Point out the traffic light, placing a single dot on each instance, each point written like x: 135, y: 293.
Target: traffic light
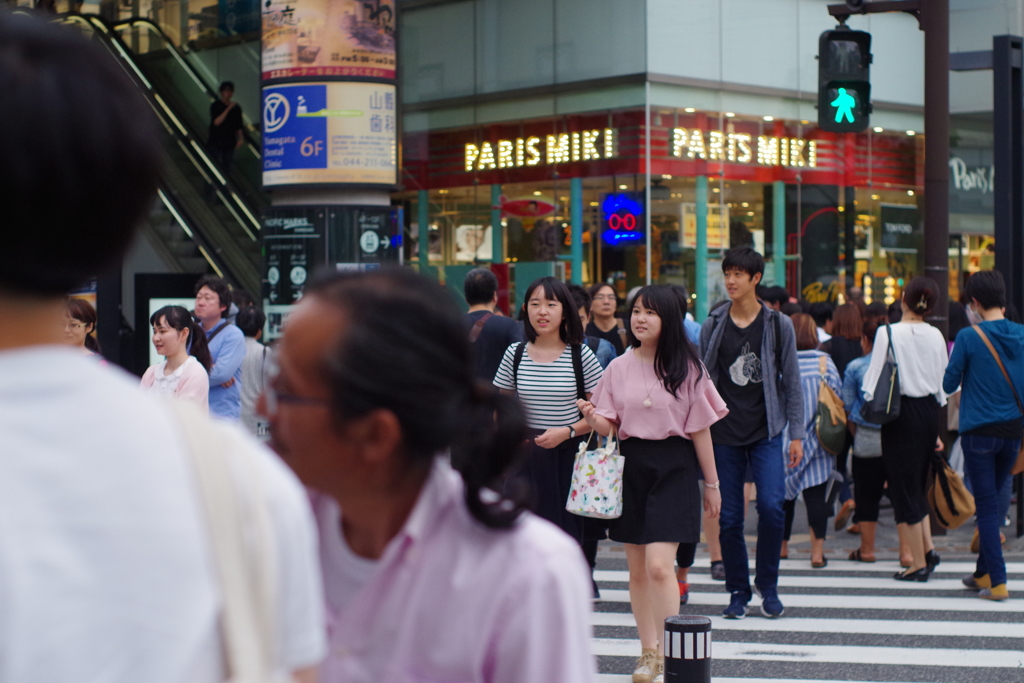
x: 844, y: 86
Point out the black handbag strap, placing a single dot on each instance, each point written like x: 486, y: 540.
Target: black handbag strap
x: 892, y: 346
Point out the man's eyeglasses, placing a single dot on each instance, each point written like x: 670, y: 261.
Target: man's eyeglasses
x: 274, y: 398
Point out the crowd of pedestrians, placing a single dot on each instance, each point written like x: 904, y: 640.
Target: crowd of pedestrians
x: 411, y: 522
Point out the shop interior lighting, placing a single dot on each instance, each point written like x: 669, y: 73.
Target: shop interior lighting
x: 715, y: 189
x: 769, y: 118
x: 867, y: 289
x: 875, y: 197
x: 689, y: 110
x: 623, y: 187
x: 878, y: 129
x: 666, y: 176
x: 745, y: 204
x: 910, y: 193
x: 536, y: 193
x: 594, y: 204
x: 729, y: 114
x: 750, y: 213
x: 911, y: 133
x: 805, y: 122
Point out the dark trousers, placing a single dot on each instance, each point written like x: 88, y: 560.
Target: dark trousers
x: 766, y: 458
x: 223, y: 157
x: 989, y: 461
x: 868, y: 487
x: 817, y: 512
x: 907, y: 445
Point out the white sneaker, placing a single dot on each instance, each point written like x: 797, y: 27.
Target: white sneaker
x: 646, y: 667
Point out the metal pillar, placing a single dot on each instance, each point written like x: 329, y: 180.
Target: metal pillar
x: 779, y: 231
x: 497, y: 231
x: 423, y: 222
x: 935, y: 22
x: 576, y: 225
x: 701, y: 255
x: 1008, y: 159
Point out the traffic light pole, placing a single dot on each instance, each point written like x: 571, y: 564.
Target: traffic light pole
x: 933, y: 19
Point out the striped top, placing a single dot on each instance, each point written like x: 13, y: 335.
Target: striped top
x: 817, y: 463
x: 548, y: 390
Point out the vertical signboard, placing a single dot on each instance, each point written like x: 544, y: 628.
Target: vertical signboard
x: 363, y: 238
x: 294, y: 246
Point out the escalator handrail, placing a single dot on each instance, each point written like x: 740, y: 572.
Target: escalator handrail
x: 186, y: 141
x: 185, y: 64
x: 250, y: 223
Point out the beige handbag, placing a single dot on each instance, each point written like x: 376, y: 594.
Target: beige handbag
x: 241, y: 544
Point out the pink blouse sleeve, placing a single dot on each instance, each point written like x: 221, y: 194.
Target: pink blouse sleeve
x: 706, y: 405
x: 147, y: 378
x: 194, y: 386
x: 603, y: 399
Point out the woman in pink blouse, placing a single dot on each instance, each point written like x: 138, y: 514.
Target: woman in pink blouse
x: 662, y: 403
x: 184, y: 373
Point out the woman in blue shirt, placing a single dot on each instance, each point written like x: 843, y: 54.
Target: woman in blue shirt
x: 811, y: 475
x: 868, y: 468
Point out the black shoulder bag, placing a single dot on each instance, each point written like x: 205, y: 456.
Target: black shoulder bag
x: 884, y: 407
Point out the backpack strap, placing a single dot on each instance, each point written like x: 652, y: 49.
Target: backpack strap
x: 517, y: 359
x: 822, y: 367
x: 999, y: 361
x: 576, y: 350
x: 778, y: 342
x: 478, y: 327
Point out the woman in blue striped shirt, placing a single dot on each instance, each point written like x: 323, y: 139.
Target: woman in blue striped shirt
x: 811, y: 475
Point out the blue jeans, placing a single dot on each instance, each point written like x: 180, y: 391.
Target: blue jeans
x: 988, y: 461
x: 767, y: 462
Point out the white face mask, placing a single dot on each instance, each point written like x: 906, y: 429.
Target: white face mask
x: 973, y: 317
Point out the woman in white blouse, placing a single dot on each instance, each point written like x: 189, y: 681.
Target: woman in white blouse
x: 184, y: 373
x: 907, y: 441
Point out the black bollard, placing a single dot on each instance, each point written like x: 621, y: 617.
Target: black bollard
x: 688, y: 649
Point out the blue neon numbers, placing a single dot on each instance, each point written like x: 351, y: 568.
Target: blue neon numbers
x: 622, y: 219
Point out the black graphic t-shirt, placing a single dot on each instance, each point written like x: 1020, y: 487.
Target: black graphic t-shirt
x: 740, y: 383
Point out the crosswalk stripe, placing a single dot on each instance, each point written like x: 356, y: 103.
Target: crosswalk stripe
x: 873, y: 583
x: 880, y: 566
x: 979, y: 629
x: 836, y: 654
x: 886, y: 602
x: 626, y: 678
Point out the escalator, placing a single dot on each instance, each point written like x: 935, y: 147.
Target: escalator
x: 204, y: 218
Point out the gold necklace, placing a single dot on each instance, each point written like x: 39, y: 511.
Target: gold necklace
x: 643, y: 371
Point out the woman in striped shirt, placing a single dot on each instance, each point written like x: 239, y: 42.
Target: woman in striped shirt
x: 811, y: 475
x: 550, y: 372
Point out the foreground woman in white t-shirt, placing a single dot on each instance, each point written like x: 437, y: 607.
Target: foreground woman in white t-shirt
x: 185, y: 371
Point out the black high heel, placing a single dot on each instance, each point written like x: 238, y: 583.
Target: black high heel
x: 921, y: 575
x: 932, y: 559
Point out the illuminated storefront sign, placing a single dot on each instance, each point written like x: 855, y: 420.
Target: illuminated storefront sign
x: 622, y: 216
x: 742, y: 148
x: 563, y: 148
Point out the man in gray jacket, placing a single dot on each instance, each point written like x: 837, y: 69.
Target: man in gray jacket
x: 750, y: 352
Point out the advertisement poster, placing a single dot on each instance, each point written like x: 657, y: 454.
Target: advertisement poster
x: 313, y: 38
x: 718, y: 237
x: 293, y: 240
x: 901, y: 228
x: 318, y: 133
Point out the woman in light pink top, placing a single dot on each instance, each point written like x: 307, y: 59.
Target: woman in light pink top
x: 430, y: 574
x: 184, y: 374
x: 662, y: 403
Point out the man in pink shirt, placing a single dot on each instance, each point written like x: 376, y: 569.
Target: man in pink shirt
x: 430, y: 574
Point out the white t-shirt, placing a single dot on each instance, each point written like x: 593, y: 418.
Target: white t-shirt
x: 920, y: 354
x: 104, y: 570
x: 548, y: 391
x: 349, y: 572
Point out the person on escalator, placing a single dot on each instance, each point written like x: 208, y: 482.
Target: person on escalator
x: 225, y: 126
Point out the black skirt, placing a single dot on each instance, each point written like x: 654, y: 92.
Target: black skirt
x: 661, y: 500
x: 547, y: 473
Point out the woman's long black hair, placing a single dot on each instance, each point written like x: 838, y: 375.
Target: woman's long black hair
x: 180, y: 319
x: 675, y: 353
x: 405, y: 350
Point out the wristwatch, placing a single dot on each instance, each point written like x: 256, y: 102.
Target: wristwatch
x: 572, y: 432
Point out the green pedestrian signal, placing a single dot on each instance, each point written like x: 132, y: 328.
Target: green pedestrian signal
x: 844, y: 106
x: 844, y: 85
